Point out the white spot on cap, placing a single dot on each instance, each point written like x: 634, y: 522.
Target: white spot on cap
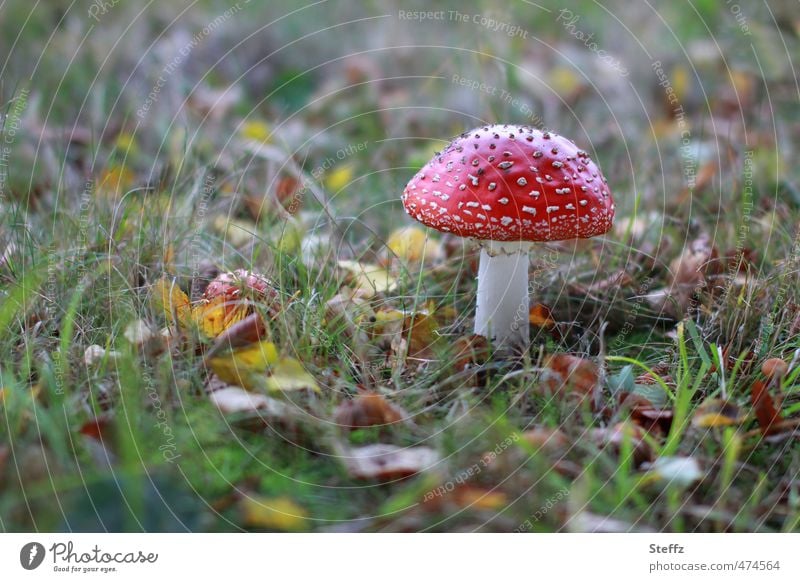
x: 529, y: 210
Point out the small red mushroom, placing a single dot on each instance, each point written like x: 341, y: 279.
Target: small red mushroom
x: 239, y: 286
x: 509, y: 186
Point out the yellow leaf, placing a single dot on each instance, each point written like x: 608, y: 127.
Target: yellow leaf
x: 115, y: 180
x: 235, y: 231
x: 218, y: 314
x: 369, y: 278
x: 171, y: 299
x: 279, y: 513
x: 564, y: 81
x: 256, y: 131
x: 125, y: 144
x: 246, y: 367
x: 412, y: 244
x: 717, y: 412
x: 289, y: 374
x: 339, y: 178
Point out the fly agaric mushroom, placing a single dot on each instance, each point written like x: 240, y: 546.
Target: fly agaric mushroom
x: 240, y: 286
x: 509, y: 186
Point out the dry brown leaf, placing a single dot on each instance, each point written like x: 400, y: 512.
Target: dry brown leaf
x: 276, y: 514
x: 546, y: 439
x: 232, y: 400
x: 767, y: 414
x: 691, y: 272
x: 368, y: 409
x: 249, y: 330
x: 465, y: 497
x: 541, y: 316
x: 469, y: 351
x: 717, y: 412
x: 565, y: 373
x: 615, y: 436
x: 388, y: 462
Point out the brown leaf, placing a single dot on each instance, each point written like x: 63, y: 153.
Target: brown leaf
x: 232, y: 400
x: 767, y: 415
x: 249, y: 330
x: 653, y: 420
x: 546, y: 439
x: 659, y: 370
x: 691, y: 271
x: 464, y: 497
x: 471, y: 350
x: 717, y: 412
x: 614, y: 437
x: 541, y: 316
x: 388, y: 462
x: 368, y: 409
x: 98, y: 428
x: 565, y: 373
x: 420, y: 332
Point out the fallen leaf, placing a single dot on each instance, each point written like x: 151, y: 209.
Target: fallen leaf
x: 98, y: 428
x: 289, y: 374
x: 368, y: 409
x: 139, y: 334
x: 682, y: 471
x: 278, y: 514
x: 691, y: 272
x: 717, y: 412
x: 235, y: 231
x: 470, y: 351
x: 256, y: 130
x: 565, y: 373
x: 541, y: 316
x: 764, y: 406
x: 388, y: 462
x: 614, y: 437
x: 420, y: 331
x: 172, y: 301
x: 95, y: 354
x: 232, y: 400
x: 115, y: 181
x: 339, y: 178
x: 246, y: 367
x: 465, y: 497
x: 367, y: 278
x: 249, y: 330
x: 546, y: 439
x: 213, y: 316
x: 412, y: 244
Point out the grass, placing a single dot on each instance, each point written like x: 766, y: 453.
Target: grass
x: 168, y: 195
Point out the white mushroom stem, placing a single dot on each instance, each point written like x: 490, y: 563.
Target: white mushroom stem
x: 502, y: 313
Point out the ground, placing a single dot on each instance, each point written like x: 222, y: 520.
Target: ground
x: 147, y: 150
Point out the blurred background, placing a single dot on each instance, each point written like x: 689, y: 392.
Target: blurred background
x: 173, y: 137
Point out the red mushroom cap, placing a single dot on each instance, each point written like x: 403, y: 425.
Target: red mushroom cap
x: 511, y: 183
x: 239, y: 287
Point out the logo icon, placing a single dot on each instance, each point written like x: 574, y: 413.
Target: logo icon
x: 31, y: 555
